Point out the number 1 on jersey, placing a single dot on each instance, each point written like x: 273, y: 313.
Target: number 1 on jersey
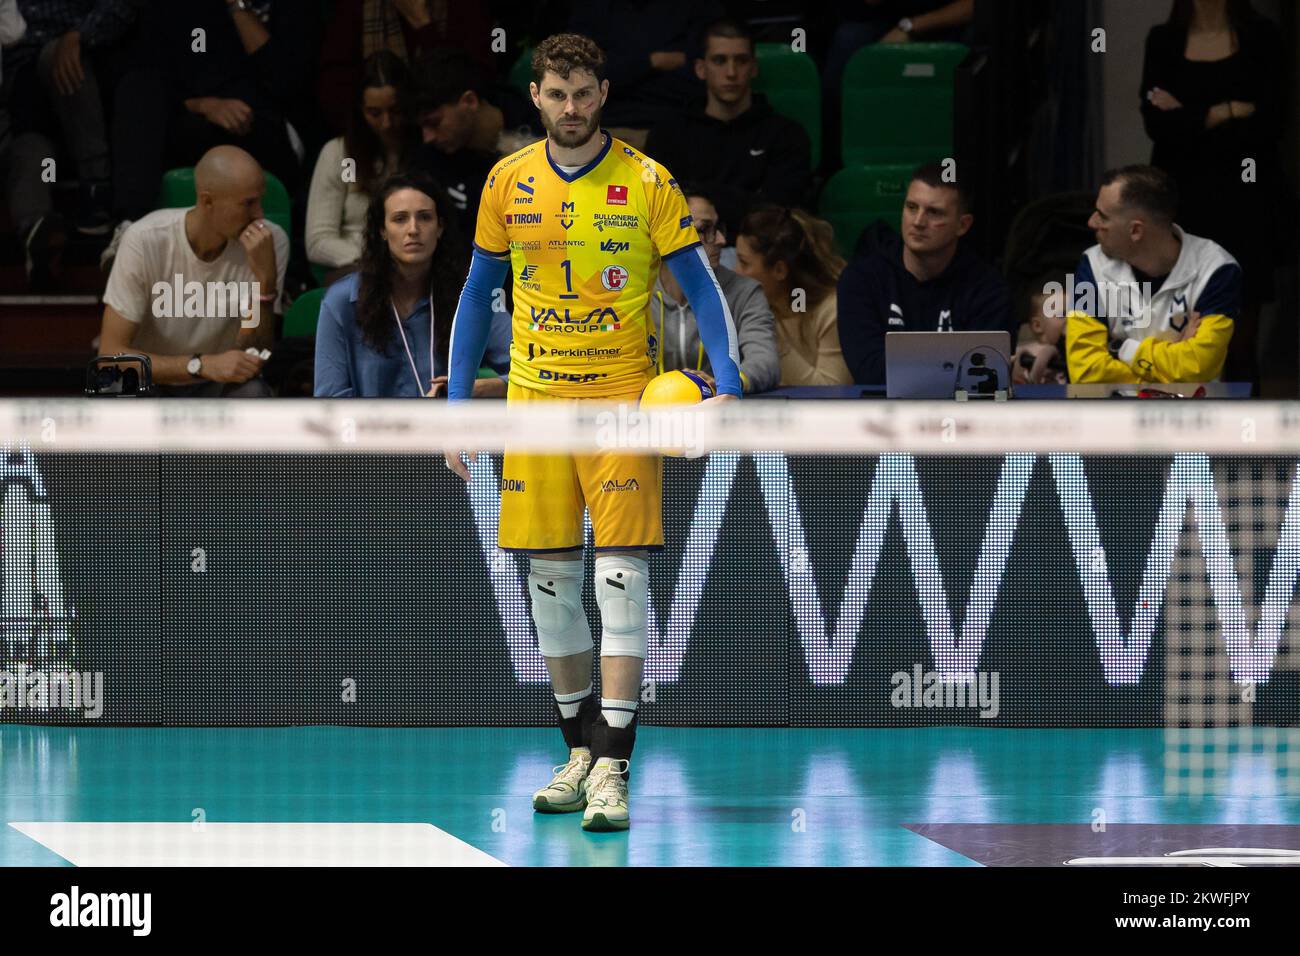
x: 567, y: 265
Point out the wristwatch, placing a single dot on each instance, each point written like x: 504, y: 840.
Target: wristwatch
x: 194, y: 365
x: 904, y: 24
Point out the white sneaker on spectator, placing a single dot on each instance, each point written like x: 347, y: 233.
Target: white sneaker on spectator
x: 110, y: 251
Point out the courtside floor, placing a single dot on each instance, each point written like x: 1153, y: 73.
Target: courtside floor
x: 750, y: 797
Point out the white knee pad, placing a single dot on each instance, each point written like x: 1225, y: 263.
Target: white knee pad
x: 556, y: 591
x: 622, y: 586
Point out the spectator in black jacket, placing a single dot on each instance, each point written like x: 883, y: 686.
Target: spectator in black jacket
x: 60, y: 73
x: 921, y: 282
x: 648, y: 45
x: 734, y: 144
x: 1211, y: 87
x: 467, y: 123
x: 245, y: 80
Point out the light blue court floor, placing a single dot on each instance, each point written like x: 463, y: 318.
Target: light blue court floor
x: 749, y: 797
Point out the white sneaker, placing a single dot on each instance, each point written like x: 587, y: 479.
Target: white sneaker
x: 110, y: 251
x: 607, y: 796
x: 565, y: 794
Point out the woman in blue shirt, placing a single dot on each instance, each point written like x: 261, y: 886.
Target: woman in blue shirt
x: 385, y: 330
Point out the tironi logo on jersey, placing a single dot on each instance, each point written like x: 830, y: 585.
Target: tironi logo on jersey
x: 523, y: 219
x: 616, y: 485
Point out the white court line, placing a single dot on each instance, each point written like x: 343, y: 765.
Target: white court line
x: 255, y: 844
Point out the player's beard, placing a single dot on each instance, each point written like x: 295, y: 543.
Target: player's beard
x: 572, y: 138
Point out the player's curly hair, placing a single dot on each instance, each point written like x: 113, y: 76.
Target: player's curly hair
x: 562, y: 53
x: 803, y: 242
x: 447, y: 270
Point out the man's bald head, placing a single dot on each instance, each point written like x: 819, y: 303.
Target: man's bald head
x: 229, y: 184
x: 225, y: 167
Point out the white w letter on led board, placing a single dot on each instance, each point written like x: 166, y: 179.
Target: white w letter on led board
x: 1123, y: 656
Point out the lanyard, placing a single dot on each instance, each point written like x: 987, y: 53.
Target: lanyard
x: 699, y: 363
x: 419, y: 388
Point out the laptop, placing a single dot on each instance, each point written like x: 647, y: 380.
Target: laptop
x: 936, y: 364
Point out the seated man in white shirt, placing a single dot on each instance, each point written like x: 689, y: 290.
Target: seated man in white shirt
x: 194, y: 289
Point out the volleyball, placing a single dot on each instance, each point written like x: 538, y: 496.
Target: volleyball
x: 675, y: 388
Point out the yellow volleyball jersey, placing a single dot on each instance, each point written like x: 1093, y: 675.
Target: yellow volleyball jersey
x: 585, y: 249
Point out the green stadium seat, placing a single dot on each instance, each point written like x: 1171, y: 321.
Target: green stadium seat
x: 178, y: 190
x: 792, y: 85
x: 521, y: 74
x: 301, y: 318
x: 858, y: 195
x: 898, y: 103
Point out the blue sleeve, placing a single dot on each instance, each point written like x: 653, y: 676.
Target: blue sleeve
x: 473, y: 323
x: 1222, y: 294
x: 333, y: 373
x: 690, y: 268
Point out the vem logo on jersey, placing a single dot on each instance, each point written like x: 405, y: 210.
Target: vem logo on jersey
x: 613, y: 245
x: 895, y: 499
x: 616, y: 485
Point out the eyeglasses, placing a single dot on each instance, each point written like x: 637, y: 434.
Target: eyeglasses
x: 707, y: 229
